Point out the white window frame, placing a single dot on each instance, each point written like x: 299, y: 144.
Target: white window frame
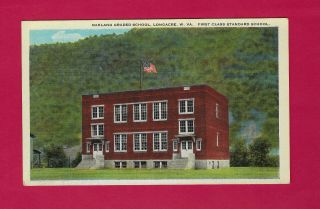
x: 175, y: 145
x: 160, y: 164
x: 88, y: 147
x: 186, y: 106
x: 186, y: 125
x: 161, y: 149
x: 160, y: 110
x: 98, y: 116
x: 140, y: 142
x: 121, y: 164
x: 200, y: 144
x: 122, y: 139
x: 140, y: 112
x: 218, y: 139
x: 218, y: 110
x: 140, y: 163
x: 97, y: 125
x: 114, y: 113
x: 107, y: 146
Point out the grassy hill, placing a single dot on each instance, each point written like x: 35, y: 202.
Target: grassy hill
x: 241, y: 63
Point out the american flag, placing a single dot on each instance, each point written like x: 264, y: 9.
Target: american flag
x: 148, y: 67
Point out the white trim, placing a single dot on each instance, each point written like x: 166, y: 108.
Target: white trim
x: 218, y: 138
x: 140, y: 112
x: 160, y: 118
x: 140, y: 132
x: 130, y: 103
x: 140, y: 163
x: 160, y: 142
x: 140, y: 143
x: 186, y: 99
x: 87, y: 146
x: 121, y: 163
x: 91, y: 130
x: 121, y: 141
x: 186, y: 106
x: 199, y: 140
x: 186, y: 119
x: 98, y: 117
x: 218, y: 115
x: 107, y: 145
x: 120, y: 121
x: 114, y: 113
x: 173, y: 147
x: 186, y: 125
x: 160, y: 163
x: 96, y: 123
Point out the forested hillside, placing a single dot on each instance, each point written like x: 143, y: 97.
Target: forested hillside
x: 241, y: 63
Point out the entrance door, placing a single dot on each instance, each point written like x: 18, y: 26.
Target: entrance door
x: 97, y: 149
x: 186, y: 148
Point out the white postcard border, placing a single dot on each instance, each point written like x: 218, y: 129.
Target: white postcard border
x: 284, y: 145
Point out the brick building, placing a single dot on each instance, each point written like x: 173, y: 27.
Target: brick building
x: 178, y: 127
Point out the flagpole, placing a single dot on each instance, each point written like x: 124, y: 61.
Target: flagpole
x: 140, y: 75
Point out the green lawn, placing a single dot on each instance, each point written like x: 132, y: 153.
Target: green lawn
x: 222, y: 173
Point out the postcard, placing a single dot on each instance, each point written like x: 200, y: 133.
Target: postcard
x: 155, y: 102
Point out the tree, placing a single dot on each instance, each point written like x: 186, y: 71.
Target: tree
x: 259, y: 152
x: 55, y: 156
x: 241, y: 63
x: 239, y: 154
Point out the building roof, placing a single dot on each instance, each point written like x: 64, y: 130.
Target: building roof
x: 155, y: 89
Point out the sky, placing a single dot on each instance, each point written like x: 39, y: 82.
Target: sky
x: 54, y: 36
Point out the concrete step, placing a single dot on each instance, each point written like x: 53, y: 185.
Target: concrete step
x: 180, y: 163
x: 91, y: 163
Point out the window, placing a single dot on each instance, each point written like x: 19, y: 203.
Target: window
x: 120, y: 113
x: 97, y: 130
x: 160, y: 142
x: 186, y: 126
x: 143, y: 164
x: 120, y: 142
x: 217, y: 110
x: 160, y: 111
x: 107, y: 146
x: 140, y: 142
x: 117, y: 164
x: 175, y: 145
x: 120, y: 164
x: 88, y: 148
x: 218, y: 138
x: 97, y: 112
x: 140, y: 112
x: 160, y: 164
x: 186, y: 106
x: 140, y: 164
x: 198, y: 144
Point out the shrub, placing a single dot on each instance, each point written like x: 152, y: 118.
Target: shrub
x: 55, y: 156
x: 258, y: 152
x: 273, y: 161
x: 77, y: 160
x: 239, y: 154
